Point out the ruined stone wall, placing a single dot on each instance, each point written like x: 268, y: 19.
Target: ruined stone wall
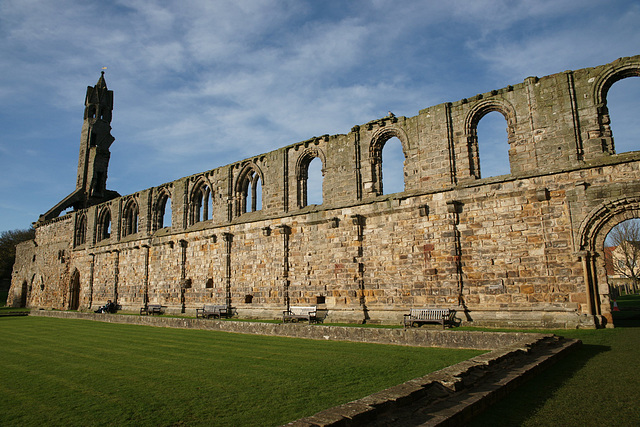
x: 522, y: 249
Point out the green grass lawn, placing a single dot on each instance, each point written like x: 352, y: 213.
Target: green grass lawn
x: 78, y: 372
x: 595, y: 386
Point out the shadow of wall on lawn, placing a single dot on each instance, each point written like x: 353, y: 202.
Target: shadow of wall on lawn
x: 629, y: 314
x: 523, y: 403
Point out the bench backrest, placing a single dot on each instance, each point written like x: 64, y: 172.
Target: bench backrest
x: 428, y: 313
x: 154, y: 306
x: 211, y: 307
x: 302, y: 311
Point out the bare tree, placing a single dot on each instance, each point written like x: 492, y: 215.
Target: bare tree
x: 626, y: 257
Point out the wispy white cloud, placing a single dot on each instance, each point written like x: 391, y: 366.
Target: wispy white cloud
x: 199, y: 84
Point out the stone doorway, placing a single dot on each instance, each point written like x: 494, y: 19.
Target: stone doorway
x: 23, y: 295
x: 593, y: 232
x: 74, y: 291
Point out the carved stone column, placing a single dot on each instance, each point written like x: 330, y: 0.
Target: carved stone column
x: 145, y: 295
x: 586, y: 271
x: 116, y: 274
x: 91, y: 274
x: 453, y: 208
x: 228, y: 240
x: 359, y: 222
x: 285, y: 231
x: 183, y: 274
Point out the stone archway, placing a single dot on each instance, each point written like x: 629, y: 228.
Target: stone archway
x: 593, y: 232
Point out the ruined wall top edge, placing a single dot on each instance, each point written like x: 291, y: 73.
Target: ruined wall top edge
x: 596, y: 77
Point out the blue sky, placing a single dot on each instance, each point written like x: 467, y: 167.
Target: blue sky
x: 200, y: 84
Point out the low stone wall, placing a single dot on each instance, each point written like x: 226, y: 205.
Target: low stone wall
x: 418, y: 337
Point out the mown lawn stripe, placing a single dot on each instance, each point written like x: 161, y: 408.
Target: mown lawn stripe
x: 77, y: 372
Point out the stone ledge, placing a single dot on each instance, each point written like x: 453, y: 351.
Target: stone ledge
x: 451, y: 396
x: 416, y: 337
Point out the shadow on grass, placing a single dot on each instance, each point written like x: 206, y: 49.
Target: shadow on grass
x: 629, y: 314
x: 626, y: 319
x: 521, y: 404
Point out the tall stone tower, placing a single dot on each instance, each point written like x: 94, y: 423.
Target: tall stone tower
x: 95, y: 141
x: 93, y: 160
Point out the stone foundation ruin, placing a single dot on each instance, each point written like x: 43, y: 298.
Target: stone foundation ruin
x: 524, y: 249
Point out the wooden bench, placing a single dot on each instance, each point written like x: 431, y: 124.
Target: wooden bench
x: 295, y: 314
x: 418, y: 316
x: 209, y: 311
x: 152, y: 309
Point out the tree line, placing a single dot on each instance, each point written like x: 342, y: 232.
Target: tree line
x: 8, y: 241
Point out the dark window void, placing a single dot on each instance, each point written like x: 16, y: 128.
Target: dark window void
x: 81, y: 231
x: 623, y: 104
x: 248, y: 299
x: 392, y: 167
x: 493, y: 145
x: 209, y: 283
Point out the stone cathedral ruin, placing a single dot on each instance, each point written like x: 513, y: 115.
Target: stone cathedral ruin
x: 523, y: 249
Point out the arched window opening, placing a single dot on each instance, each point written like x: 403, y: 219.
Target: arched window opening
x: 493, y: 145
x: 314, y: 182
x: 104, y: 225
x: 623, y: 105
x: 309, y: 175
x: 165, y: 213
x: 130, y: 218
x: 254, y: 194
x: 81, y: 230
x: 248, y: 190
x: 622, y: 257
x: 162, y: 210
x: 201, y: 204
x: 392, y: 179
x: 310, y: 180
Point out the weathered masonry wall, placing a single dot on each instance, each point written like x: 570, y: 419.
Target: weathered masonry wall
x: 523, y: 249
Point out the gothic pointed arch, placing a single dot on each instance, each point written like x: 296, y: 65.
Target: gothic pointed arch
x: 592, y: 234
x: 130, y: 214
x: 378, y: 141
x: 247, y: 185
x: 161, y: 200
x: 200, y: 201
x: 103, y: 224
x: 473, y: 117
x: 302, y: 172
x: 612, y: 74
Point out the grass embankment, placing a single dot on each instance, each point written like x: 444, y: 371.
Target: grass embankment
x: 597, y: 385
x: 76, y: 372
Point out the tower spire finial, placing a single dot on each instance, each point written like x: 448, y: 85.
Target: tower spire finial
x: 101, y: 81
